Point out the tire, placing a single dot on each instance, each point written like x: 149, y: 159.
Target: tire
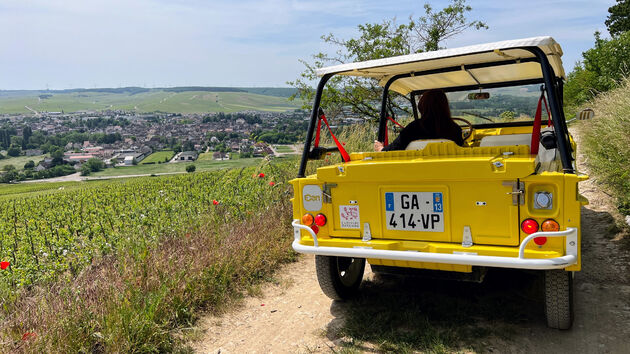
x: 559, y: 298
x: 339, y: 277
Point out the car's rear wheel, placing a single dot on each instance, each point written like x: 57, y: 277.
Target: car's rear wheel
x: 339, y: 277
x: 559, y: 298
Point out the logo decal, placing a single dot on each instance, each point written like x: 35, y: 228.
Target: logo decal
x: 312, y: 197
x: 349, y: 217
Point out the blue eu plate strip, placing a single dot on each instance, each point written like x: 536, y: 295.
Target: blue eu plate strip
x: 389, y: 201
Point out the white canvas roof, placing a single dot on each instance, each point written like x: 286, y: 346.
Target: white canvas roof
x: 383, y: 69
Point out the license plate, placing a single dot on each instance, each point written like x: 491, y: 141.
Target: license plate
x: 414, y: 211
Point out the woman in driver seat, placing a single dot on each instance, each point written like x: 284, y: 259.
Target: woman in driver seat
x: 435, y: 123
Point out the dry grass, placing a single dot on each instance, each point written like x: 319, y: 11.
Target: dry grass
x: 137, y: 302
x: 607, y: 142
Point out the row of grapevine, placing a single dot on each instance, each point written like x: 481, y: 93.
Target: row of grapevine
x: 44, y: 235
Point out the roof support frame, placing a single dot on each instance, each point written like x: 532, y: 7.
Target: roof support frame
x: 548, y: 78
x: 311, y: 125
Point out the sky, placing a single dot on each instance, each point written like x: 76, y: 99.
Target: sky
x: 158, y: 43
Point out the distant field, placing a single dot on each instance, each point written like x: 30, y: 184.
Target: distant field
x: 176, y: 167
x: 19, y: 161
x: 283, y: 148
x: 159, y: 156
x: 206, y: 156
x: 151, y: 101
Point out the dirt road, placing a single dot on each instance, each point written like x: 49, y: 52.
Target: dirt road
x: 502, y: 314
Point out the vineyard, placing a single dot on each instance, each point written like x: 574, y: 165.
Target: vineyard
x: 50, y: 236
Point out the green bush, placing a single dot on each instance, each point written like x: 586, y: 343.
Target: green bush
x: 602, y: 69
x: 606, y: 142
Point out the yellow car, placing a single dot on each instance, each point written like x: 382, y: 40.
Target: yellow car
x: 507, y: 198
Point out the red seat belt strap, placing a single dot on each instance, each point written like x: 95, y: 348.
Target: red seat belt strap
x: 319, y: 127
x: 342, y: 151
x: 549, y: 122
x: 536, y: 129
x: 386, y: 142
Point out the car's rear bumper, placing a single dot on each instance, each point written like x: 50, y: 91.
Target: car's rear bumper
x: 511, y: 257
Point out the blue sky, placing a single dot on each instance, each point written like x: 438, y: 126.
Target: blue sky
x: 156, y: 43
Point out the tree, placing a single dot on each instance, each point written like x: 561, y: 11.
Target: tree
x: 602, y: 68
x: 376, y: 41
x: 190, y: 168
x: 85, y: 170
x: 94, y: 164
x: 27, y: 132
x: 29, y: 164
x: 14, y: 151
x: 57, y: 157
x: 618, y: 20
x: 507, y: 115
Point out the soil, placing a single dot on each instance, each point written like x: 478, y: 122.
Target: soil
x: 293, y: 315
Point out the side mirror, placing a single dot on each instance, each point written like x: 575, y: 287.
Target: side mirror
x: 479, y: 95
x: 585, y: 114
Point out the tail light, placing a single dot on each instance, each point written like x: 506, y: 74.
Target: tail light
x: 320, y: 219
x: 529, y: 226
x: 540, y: 240
x: 315, y: 229
x: 307, y: 219
x: 550, y: 225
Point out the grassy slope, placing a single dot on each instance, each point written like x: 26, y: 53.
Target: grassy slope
x: 158, y: 156
x: 607, y: 142
x: 19, y: 161
x: 183, y: 102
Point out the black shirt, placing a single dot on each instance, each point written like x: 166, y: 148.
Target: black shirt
x: 416, y: 130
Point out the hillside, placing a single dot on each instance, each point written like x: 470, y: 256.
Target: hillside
x: 175, y: 99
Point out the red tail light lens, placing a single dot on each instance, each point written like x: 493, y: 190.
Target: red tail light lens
x: 529, y: 226
x: 320, y: 219
x: 540, y: 240
x: 315, y: 229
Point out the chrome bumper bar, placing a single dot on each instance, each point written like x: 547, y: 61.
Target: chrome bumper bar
x: 570, y: 234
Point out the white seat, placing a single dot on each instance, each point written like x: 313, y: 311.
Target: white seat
x: 546, y: 157
x: 422, y: 143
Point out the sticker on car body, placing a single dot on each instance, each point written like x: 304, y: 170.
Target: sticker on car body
x: 349, y: 217
x: 414, y: 211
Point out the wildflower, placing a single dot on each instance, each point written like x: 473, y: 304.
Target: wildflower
x: 29, y: 335
x: 4, y: 265
x: 261, y: 175
x: 272, y: 183
x: 215, y: 202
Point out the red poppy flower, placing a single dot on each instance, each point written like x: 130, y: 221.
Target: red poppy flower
x: 29, y: 335
x: 272, y: 183
x: 4, y: 265
x: 261, y: 175
x: 215, y: 202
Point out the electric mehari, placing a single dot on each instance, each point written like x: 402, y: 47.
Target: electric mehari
x: 507, y: 198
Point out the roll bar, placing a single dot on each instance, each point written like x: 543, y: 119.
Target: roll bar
x: 553, y: 86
